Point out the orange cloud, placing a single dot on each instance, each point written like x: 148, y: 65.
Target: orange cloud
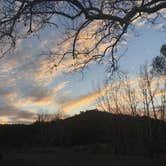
x: 85, y: 100
x: 60, y: 86
x: 89, y: 99
x: 4, y: 120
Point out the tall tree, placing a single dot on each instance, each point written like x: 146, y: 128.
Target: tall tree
x: 159, y: 69
x: 162, y: 105
x: 130, y: 96
x: 148, y: 91
x: 110, y: 99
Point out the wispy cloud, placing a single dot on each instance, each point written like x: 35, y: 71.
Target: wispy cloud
x: 24, y: 85
x: 12, y: 114
x: 86, y: 100
x: 69, y: 104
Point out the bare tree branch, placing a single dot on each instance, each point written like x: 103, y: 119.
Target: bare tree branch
x: 20, y: 18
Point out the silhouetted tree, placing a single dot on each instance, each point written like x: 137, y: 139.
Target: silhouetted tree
x: 148, y: 91
x: 159, y: 62
x: 163, y: 49
x: 159, y: 69
x: 104, y: 101
x: 109, y: 100
x: 130, y: 96
x: 44, y: 116
x: 162, y: 92
x: 144, y: 96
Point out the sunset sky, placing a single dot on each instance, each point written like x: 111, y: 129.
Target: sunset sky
x: 28, y: 86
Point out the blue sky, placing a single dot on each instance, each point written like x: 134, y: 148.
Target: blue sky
x: 143, y: 48
x: 27, y: 86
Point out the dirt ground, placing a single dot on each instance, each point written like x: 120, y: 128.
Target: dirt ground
x: 68, y: 158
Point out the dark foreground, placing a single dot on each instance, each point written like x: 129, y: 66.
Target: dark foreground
x: 92, y: 138
x: 69, y: 158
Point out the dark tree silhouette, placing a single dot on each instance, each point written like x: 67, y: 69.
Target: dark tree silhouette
x: 159, y: 62
x: 110, y: 20
x: 159, y: 69
x: 163, y: 49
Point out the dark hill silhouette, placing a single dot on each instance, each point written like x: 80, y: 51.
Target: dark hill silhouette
x: 121, y: 133
x: 91, y: 131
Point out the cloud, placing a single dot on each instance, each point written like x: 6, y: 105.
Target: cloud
x: 69, y: 104
x: 5, y: 90
x: 17, y: 100
x: 60, y: 86
x: 25, y: 86
x: 12, y: 114
x: 40, y: 96
x: 158, y: 23
x: 4, y: 120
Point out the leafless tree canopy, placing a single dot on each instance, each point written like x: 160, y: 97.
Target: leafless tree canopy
x: 144, y: 96
x: 108, y: 21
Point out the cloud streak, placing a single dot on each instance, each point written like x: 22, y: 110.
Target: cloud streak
x: 25, y: 86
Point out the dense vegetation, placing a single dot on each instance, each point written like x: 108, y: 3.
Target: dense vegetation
x: 90, y: 131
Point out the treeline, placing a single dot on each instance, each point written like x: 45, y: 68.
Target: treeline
x: 91, y: 130
x: 144, y: 95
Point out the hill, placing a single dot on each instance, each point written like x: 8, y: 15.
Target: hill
x: 90, y: 131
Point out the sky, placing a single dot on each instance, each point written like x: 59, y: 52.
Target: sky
x: 28, y: 86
